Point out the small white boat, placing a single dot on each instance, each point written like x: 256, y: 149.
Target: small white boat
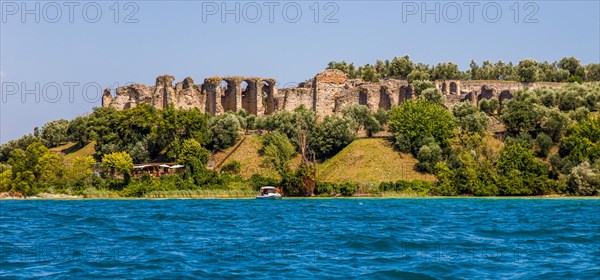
x: 269, y: 192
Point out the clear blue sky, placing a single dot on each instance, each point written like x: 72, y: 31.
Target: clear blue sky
x: 174, y: 38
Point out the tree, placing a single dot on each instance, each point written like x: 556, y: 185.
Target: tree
x: 461, y: 180
x: 429, y: 156
x: 77, y: 131
x: 33, y: 169
x: 489, y: 106
x: 580, y: 114
x: 418, y: 75
x: 247, y: 120
x: 139, y: 151
x: 177, y: 124
x: 544, y: 143
x: 572, y: 65
x: 278, y: 151
x: 81, y: 169
x: 102, y: 127
x: 584, y: 179
x: 445, y: 71
x: 554, y: 123
x: 521, y: 173
x: 415, y: 120
x: 331, y: 136
x: 369, y: 73
x: 117, y: 163
x: 6, y: 178
x: 522, y: 113
x: 528, y: 71
x: 194, y: 157
x: 582, y: 142
x: 382, y: 116
x: 421, y: 85
x: 224, y: 131
x: 572, y: 97
x: 400, y: 67
x: 280, y: 121
x: 382, y: 68
x: 233, y: 167
x: 469, y: 118
x: 344, y: 67
x: 52, y: 172
x: 21, y: 143
x: 592, y: 72
x: 54, y: 133
x: 547, y: 96
x: 433, y: 95
x: 361, y: 117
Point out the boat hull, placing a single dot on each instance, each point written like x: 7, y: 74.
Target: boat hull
x: 275, y: 196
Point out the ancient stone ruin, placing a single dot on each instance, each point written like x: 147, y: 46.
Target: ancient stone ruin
x: 329, y: 92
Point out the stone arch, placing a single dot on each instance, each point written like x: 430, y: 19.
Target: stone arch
x: 385, y: 101
x: 363, y: 97
x: 249, y: 96
x: 468, y: 97
x: 406, y: 93
x: 268, y: 95
x: 227, y: 94
x: 505, y: 94
x: 486, y: 93
x: 444, y: 88
x: 453, y: 88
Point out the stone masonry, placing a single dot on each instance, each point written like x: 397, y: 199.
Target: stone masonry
x: 329, y: 92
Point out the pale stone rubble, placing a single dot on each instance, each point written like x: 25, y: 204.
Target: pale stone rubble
x: 329, y: 92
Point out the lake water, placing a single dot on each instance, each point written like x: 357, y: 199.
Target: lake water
x: 301, y: 238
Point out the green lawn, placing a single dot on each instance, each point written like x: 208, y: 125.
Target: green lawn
x: 370, y: 161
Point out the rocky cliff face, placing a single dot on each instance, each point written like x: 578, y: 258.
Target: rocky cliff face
x: 329, y: 93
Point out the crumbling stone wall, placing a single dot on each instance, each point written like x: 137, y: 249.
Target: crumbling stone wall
x: 215, y: 96
x: 329, y: 92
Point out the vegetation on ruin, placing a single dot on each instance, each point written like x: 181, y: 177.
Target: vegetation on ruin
x: 568, y: 69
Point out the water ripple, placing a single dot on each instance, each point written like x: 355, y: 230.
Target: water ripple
x: 301, y: 238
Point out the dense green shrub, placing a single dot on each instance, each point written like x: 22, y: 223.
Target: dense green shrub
x: 428, y: 156
x: 54, y: 133
x: 361, y: 117
x: 580, y: 114
x: 469, y: 118
x: 582, y: 142
x: 224, y: 131
x: 421, y: 85
x: 520, y: 173
x: 334, y: 189
x: 331, y: 136
x: 489, y: 106
x: 257, y: 181
x: 433, y: 95
x: 584, y: 179
x: 415, y: 120
x: 233, y: 167
x: 417, y: 186
x: 543, y: 143
x: 145, y: 185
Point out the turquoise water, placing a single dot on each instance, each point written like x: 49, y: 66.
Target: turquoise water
x: 301, y: 238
